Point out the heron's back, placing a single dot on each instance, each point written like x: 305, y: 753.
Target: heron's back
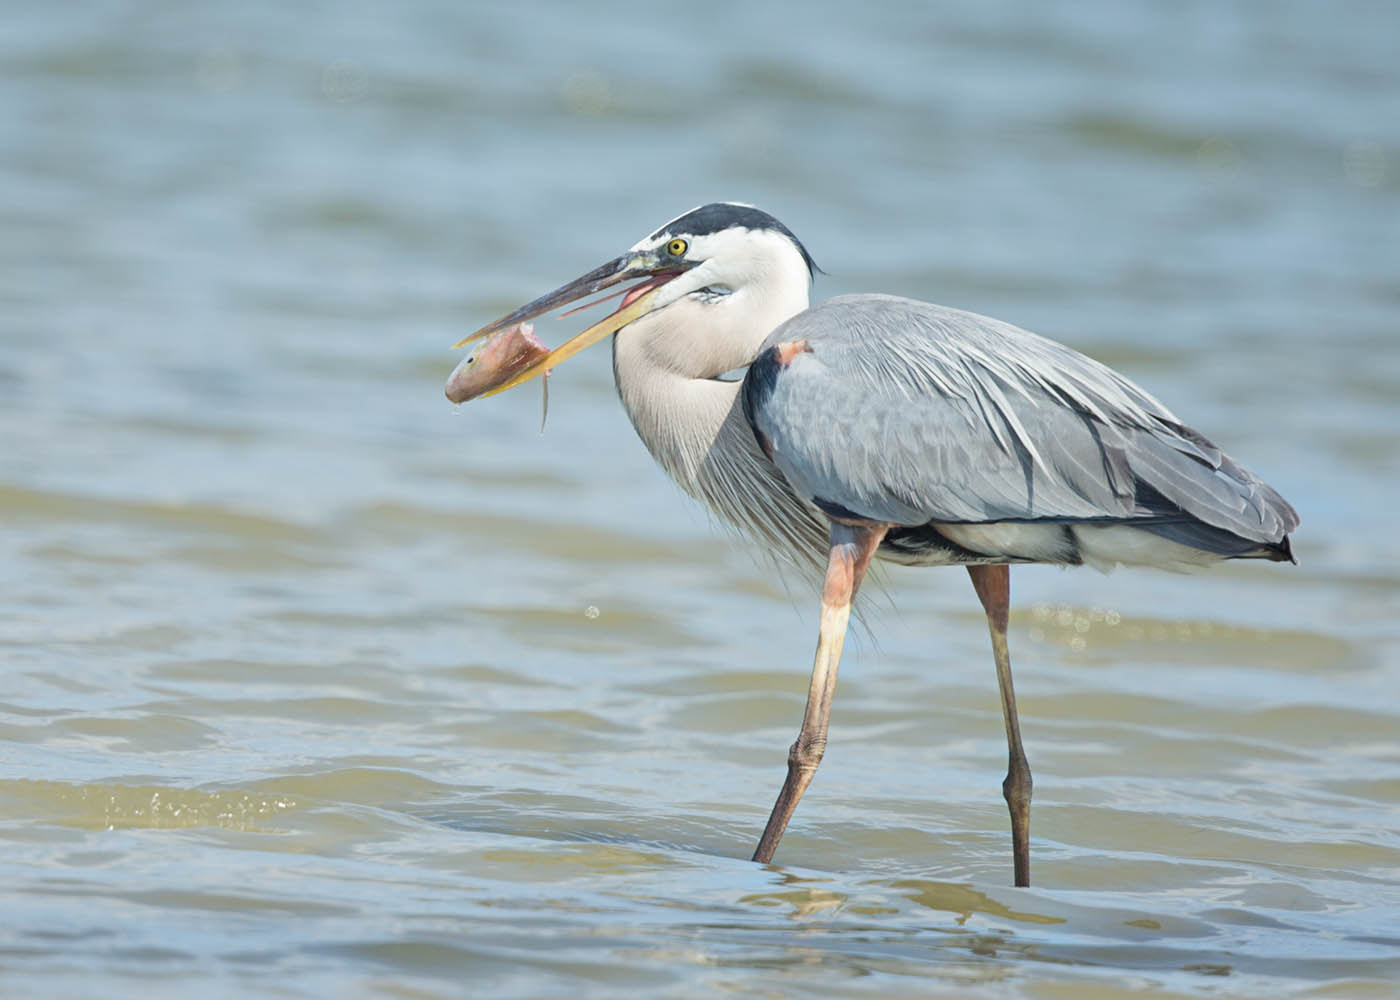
x: 982, y: 442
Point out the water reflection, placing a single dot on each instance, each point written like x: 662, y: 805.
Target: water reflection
x: 964, y: 901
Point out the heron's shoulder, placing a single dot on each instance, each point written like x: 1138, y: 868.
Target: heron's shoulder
x: 865, y: 320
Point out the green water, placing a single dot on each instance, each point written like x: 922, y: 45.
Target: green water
x: 315, y: 685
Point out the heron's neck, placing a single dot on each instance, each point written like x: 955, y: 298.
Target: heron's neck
x: 682, y: 420
x: 696, y: 429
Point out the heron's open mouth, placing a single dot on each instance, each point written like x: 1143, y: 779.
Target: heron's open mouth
x: 637, y: 291
x: 636, y: 302
x: 629, y: 295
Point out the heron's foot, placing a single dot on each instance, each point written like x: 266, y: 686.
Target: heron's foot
x: 803, y: 757
x: 1016, y: 789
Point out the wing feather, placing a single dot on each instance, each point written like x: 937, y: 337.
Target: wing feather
x: 913, y: 413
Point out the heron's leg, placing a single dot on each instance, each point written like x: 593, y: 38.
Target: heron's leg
x: 993, y: 585
x: 851, y: 550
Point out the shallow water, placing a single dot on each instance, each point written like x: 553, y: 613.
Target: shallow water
x: 315, y: 684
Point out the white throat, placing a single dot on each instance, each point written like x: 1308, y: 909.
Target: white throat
x: 665, y: 365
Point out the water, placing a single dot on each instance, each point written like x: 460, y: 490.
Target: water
x: 315, y: 685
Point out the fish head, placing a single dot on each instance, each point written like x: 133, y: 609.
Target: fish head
x: 494, y: 362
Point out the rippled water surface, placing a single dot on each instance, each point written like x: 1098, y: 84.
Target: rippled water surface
x: 315, y: 685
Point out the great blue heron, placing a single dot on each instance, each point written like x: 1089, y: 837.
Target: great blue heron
x: 876, y: 426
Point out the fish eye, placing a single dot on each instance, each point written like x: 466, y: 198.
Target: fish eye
x: 676, y: 248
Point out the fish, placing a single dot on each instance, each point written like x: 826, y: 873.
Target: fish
x: 496, y: 361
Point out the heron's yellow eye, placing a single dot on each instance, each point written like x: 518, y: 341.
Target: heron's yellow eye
x: 676, y: 248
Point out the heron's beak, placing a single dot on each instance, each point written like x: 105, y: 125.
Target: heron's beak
x: 637, y: 302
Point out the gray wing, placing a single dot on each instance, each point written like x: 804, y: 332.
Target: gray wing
x: 901, y: 411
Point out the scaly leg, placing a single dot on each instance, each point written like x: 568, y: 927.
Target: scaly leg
x: 993, y: 586
x: 851, y: 550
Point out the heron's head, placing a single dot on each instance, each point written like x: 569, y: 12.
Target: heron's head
x: 709, y: 287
